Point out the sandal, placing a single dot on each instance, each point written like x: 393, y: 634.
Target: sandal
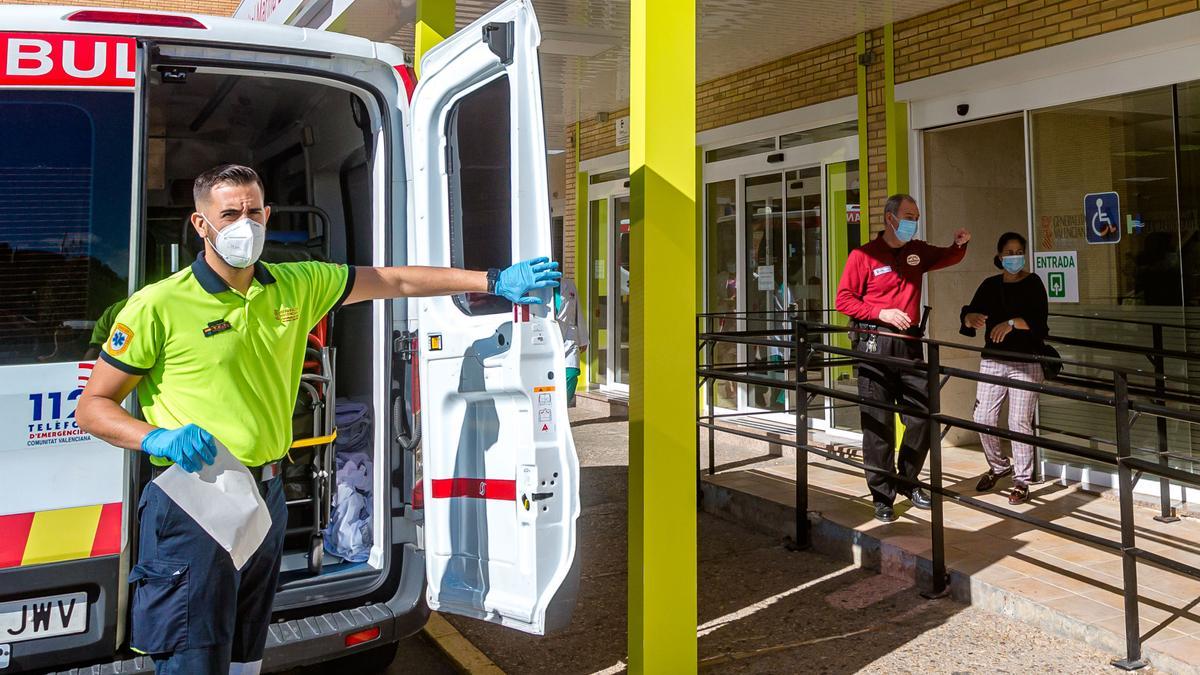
x: 989, y: 479
x: 1019, y: 494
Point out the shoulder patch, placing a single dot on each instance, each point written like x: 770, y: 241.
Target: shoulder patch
x: 119, y: 340
x: 914, y: 259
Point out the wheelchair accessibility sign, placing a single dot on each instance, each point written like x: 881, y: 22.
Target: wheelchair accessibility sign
x: 1102, y: 217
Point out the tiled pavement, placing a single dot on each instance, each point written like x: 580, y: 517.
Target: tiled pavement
x: 1068, y: 587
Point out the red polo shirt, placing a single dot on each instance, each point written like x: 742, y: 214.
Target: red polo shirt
x: 879, y: 277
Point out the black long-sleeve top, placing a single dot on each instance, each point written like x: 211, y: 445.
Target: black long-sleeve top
x: 1000, y: 301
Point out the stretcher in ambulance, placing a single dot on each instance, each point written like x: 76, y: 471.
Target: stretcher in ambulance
x: 107, y: 116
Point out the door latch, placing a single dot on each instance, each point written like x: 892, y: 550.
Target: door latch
x: 528, y: 499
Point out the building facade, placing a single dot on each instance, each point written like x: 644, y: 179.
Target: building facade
x: 1001, y: 115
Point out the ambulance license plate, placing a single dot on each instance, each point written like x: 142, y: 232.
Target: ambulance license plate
x: 37, y: 618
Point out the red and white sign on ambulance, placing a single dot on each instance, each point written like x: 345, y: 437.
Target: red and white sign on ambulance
x: 66, y: 61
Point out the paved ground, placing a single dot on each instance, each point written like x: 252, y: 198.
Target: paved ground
x: 764, y: 609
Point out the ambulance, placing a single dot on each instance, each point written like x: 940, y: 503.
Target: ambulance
x: 472, y: 496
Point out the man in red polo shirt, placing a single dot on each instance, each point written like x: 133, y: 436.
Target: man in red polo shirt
x: 881, y: 290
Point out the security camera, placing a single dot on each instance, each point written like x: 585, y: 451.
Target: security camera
x: 962, y: 109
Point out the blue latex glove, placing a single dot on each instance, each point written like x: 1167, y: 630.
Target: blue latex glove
x: 190, y: 447
x: 523, y: 277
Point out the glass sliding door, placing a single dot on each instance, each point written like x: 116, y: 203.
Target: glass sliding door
x: 765, y: 274
x: 620, y: 289
x: 1125, y: 144
x: 767, y: 253
x: 722, y: 288
x: 804, y: 227
x: 845, y: 234
x: 608, y: 240
x: 598, y: 291
x: 784, y: 243
x: 805, y: 243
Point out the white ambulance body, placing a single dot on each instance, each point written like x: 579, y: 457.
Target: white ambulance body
x: 107, y: 116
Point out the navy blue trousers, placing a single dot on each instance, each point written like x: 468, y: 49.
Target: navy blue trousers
x: 192, y: 611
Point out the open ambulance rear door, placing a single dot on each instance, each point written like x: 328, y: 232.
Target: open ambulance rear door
x: 501, y: 479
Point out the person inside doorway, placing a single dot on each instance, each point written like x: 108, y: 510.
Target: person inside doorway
x: 1012, y: 308
x: 215, y: 352
x: 880, y: 291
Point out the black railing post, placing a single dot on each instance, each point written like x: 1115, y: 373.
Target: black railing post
x: 800, y: 352
x: 1166, y: 513
x: 933, y: 388
x: 701, y: 347
x: 711, y: 348
x: 1133, y: 640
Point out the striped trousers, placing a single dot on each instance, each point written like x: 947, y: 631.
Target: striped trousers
x: 1022, y: 405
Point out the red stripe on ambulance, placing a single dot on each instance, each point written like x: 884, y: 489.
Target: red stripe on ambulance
x: 477, y: 488
x: 108, y: 531
x: 14, y: 532
x: 59, y: 60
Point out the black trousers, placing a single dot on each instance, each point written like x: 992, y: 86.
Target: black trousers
x: 888, y: 384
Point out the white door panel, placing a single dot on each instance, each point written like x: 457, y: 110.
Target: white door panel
x: 500, y: 471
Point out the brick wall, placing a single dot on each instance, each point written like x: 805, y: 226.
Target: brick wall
x: 569, y: 230
x: 212, y: 7
x: 977, y: 31
x: 875, y: 157
x: 796, y: 81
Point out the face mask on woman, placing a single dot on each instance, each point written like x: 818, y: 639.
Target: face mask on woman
x: 1013, y: 263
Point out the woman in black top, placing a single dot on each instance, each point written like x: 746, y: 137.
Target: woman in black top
x: 1012, y: 308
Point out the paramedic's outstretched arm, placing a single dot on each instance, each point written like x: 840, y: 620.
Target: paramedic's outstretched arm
x: 100, y: 412
x: 381, y: 283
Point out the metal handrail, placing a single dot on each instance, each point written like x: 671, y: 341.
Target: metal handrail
x: 1125, y: 401
x: 1113, y: 319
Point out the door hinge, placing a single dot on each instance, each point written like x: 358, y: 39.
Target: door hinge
x: 405, y: 345
x: 499, y: 38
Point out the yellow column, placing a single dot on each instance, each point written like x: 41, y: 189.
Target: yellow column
x: 662, y: 425
x: 895, y: 120
x: 435, y: 22
x: 896, y: 130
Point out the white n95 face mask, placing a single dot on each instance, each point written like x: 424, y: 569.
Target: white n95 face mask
x: 240, y: 243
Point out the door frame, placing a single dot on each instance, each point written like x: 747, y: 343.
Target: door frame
x: 817, y: 421
x: 738, y: 169
x: 608, y: 191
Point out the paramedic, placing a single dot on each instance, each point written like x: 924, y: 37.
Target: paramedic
x: 215, y: 352
x: 574, y: 333
x: 881, y: 291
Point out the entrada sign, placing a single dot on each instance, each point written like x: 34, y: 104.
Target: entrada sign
x: 1059, y: 271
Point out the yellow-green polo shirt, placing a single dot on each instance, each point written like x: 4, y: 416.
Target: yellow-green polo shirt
x: 227, y: 362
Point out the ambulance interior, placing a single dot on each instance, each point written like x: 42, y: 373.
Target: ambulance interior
x: 310, y: 142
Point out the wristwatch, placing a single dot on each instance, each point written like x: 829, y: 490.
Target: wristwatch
x: 493, y: 275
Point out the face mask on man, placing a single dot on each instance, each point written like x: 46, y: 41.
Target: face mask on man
x: 906, y: 230
x: 240, y: 243
x: 1013, y: 263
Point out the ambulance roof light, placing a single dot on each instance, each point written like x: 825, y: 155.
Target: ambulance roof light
x: 135, y: 18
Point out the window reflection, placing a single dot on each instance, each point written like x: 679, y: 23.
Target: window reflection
x: 65, y: 167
